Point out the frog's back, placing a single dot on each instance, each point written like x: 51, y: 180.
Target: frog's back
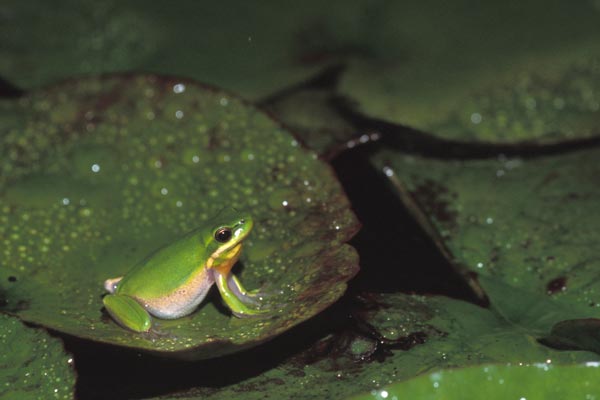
x: 165, y: 270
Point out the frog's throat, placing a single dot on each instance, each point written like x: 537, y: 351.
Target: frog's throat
x: 224, y: 261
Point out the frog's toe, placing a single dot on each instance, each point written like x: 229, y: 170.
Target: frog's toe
x: 265, y: 292
x: 250, y: 300
x: 254, y: 298
x: 257, y: 313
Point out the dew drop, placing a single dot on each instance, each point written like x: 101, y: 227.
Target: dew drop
x: 179, y: 88
x: 476, y: 118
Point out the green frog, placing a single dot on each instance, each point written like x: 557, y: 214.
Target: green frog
x: 171, y: 282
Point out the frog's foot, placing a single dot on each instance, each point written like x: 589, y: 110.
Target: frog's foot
x: 264, y: 292
x: 156, y: 332
x: 253, y: 298
x: 236, y: 298
x: 264, y: 310
x: 128, y: 312
x: 252, y: 313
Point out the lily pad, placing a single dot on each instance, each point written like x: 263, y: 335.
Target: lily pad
x: 396, y: 337
x: 228, y: 43
x: 531, y: 382
x: 506, y: 72
x: 33, y: 364
x: 527, y: 227
x: 312, y: 115
x: 97, y: 173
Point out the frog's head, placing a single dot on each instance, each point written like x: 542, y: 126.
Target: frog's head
x: 224, y: 241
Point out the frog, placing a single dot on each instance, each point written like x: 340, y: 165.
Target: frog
x: 172, y: 281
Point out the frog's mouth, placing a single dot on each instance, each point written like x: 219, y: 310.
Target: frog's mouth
x: 232, y: 253
x: 226, y: 259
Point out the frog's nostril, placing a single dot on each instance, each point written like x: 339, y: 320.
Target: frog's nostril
x: 242, y: 221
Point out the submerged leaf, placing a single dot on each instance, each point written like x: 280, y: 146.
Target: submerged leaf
x: 97, y: 173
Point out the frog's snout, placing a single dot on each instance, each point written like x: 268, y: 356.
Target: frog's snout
x: 246, y: 222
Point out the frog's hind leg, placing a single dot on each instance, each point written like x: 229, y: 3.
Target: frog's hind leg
x: 128, y: 312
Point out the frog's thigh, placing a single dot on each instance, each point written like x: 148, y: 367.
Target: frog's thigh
x: 237, y: 306
x: 128, y: 312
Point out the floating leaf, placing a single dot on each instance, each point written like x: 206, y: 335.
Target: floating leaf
x: 504, y: 72
x: 400, y: 338
x: 527, y: 227
x: 227, y: 43
x: 97, y: 173
x: 311, y: 114
x: 507, y: 72
x: 531, y: 382
x: 32, y: 364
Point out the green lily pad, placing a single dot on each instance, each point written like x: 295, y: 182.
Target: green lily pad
x: 401, y: 337
x: 33, y: 364
x: 97, y: 173
x: 312, y: 115
x: 503, y: 72
x: 526, y: 227
x: 531, y: 382
x: 229, y: 43
x: 499, y: 72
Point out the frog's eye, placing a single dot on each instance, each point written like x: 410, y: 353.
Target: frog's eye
x: 223, y: 235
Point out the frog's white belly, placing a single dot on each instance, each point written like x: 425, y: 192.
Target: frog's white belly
x: 182, y: 301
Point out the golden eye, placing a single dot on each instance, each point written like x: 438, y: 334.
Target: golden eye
x: 223, y: 235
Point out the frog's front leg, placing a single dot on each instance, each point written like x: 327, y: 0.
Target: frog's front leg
x: 249, y: 297
x: 235, y: 296
x: 128, y: 312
